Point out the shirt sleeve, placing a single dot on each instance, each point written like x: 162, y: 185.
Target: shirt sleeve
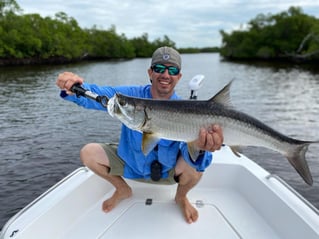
x: 202, y: 162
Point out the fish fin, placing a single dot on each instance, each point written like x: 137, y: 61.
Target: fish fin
x: 223, y: 96
x: 149, y: 141
x: 236, y: 150
x: 193, y: 151
x: 296, y: 157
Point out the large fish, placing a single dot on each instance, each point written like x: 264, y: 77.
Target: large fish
x: 181, y: 120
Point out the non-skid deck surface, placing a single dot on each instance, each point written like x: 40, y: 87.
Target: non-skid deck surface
x: 135, y: 218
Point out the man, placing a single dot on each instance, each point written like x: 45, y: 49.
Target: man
x: 169, y: 162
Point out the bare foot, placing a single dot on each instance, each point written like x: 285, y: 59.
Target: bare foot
x: 118, y: 196
x: 189, y: 212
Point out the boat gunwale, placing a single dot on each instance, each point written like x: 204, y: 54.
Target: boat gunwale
x: 38, y: 199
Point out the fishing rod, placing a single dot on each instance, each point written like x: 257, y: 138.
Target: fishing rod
x: 80, y: 91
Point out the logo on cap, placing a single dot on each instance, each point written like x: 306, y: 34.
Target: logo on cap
x: 165, y: 57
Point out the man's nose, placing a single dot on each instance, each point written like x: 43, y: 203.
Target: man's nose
x: 165, y: 73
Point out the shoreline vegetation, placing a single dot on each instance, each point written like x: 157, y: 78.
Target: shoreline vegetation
x: 30, y: 39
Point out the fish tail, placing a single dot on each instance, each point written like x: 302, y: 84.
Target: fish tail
x: 296, y: 157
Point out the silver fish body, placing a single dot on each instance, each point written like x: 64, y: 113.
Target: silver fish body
x: 181, y: 120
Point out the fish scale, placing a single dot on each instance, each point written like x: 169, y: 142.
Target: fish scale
x: 235, y: 132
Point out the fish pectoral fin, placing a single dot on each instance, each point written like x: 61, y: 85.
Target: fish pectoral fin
x: 149, y: 141
x: 236, y: 150
x: 193, y: 151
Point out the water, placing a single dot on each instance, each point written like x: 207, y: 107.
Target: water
x: 41, y: 134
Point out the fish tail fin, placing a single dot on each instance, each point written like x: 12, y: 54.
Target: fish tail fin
x: 296, y: 157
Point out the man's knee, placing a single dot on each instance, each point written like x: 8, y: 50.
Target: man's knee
x: 84, y: 152
x: 94, y: 154
x: 185, y: 173
x: 87, y: 152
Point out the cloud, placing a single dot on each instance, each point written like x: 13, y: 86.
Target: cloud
x: 188, y: 23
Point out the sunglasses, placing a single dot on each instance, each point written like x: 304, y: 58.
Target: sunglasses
x: 159, y: 68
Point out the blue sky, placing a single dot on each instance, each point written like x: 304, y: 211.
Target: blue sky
x: 188, y: 23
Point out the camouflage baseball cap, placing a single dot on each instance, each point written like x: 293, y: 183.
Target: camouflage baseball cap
x: 166, y: 55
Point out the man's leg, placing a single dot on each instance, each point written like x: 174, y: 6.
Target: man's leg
x: 188, y: 177
x: 94, y: 157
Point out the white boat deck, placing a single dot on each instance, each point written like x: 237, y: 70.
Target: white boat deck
x: 233, y: 202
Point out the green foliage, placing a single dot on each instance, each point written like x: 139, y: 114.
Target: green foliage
x: 107, y: 44
x: 199, y: 50
x: 32, y: 36
x: 273, y: 36
x: 144, y: 48
x: 8, y: 6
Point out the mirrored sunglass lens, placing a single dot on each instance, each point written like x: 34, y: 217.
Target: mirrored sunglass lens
x: 172, y: 70
x: 159, y: 68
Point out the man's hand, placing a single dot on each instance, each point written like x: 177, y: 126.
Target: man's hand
x: 210, y: 139
x: 66, y: 80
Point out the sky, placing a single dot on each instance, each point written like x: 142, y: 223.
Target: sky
x: 189, y: 23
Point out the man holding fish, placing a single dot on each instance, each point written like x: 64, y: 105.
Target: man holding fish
x: 166, y: 161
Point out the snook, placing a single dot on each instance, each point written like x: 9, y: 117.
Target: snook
x: 181, y: 120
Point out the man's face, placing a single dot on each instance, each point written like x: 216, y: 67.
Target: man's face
x: 163, y: 80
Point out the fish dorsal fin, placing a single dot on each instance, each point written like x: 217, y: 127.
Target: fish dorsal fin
x: 149, y: 142
x: 223, y: 96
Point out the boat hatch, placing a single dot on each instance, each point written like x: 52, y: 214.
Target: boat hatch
x: 163, y: 219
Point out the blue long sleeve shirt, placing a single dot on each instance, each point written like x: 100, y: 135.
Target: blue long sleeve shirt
x: 137, y: 165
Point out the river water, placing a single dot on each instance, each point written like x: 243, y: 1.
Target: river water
x: 41, y: 134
